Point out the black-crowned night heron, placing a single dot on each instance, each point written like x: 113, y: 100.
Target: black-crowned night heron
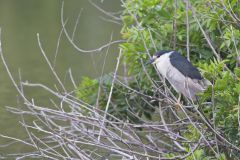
x: 181, y: 74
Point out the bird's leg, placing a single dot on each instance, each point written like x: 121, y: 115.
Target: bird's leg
x: 178, y: 104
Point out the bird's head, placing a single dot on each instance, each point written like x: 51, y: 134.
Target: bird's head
x: 155, y: 57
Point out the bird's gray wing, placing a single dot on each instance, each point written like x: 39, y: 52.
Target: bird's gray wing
x: 184, y: 85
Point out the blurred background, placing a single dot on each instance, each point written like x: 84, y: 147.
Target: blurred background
x: 21, y: 21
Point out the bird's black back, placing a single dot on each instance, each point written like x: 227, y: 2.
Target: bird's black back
x: 184, y: 66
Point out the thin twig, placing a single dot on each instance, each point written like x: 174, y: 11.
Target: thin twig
x: 76, y: 24
x: 187, y: 28
x: 110, y: 93
x: 82, y: 50
x: 49, y: 64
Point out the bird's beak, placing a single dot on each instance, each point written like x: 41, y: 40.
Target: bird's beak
x: 151, y: 61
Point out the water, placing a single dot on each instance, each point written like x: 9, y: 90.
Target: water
x: 21, y: 21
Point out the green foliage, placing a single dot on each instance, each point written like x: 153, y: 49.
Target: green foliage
x: 191, y: 133
x: 200, y: 154
x: 87, y: 90
x: 226, y: 97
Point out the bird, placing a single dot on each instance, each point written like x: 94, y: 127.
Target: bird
x: 180, y: 73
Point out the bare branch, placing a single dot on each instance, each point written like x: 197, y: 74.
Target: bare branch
x: 82, y: 50
x: 110, y: 93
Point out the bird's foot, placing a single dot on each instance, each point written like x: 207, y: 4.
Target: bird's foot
x: 178, y: 105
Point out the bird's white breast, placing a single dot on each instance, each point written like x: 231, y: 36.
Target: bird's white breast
x: 163, y: 64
